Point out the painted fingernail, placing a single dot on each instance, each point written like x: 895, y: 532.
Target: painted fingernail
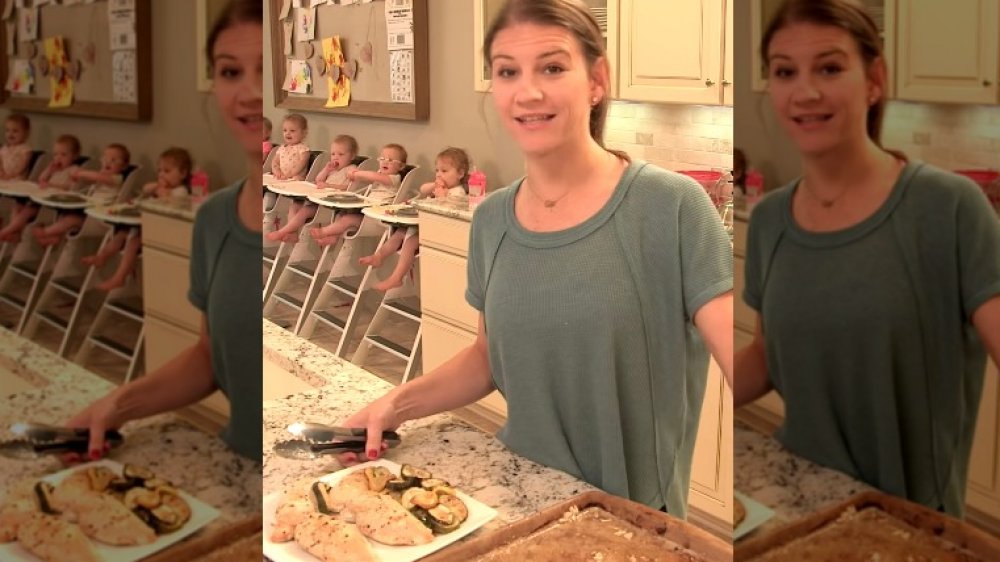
x: 372, y: 454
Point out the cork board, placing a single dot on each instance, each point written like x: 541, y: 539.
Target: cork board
x: 358, y: 25
x: 86, y: 31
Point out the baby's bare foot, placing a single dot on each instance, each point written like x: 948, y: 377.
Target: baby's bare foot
x: 390, y: 283
x: 274, y: 236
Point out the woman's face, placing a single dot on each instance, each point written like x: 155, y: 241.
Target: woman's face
x: 238, y: 76
x: 445, y: 170
x: 543, y: 87
x: 821, y: 87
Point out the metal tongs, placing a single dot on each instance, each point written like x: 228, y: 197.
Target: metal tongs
x: 31, y: 440
x: 314, y: 440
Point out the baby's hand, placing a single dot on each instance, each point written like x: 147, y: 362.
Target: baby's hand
x: 74, y: 175
x: 352, y: 174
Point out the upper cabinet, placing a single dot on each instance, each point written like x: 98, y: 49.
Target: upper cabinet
x: 672, y: 51
x: 947, y: 51
x: 664, y: 52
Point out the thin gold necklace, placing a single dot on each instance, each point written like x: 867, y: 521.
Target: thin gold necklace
x: 825, y: 203
x: 548, y: 203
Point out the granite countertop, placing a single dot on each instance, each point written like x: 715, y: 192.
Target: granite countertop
x: 193, y: 460
x: 474, y: 462
x: 453, y: 208
x: 179, y: 209
x: 790, y: 485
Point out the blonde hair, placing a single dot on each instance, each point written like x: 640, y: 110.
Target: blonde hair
x: 126, y: 155
x: 459, y: 159
x: 398, y: 148
x: 350, y: 142
x: 181, y: 158
x: 298, y: 119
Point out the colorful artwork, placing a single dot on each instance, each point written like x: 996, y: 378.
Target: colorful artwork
x: 305, y: 24
x: 340, y: 89
x: 298, y: 79
x: 22, y: 77
x: 27, y: 24
x: 59, y: 80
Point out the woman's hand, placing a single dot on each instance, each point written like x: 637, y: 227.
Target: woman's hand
x: 376, y: 417
x: 99, y: 417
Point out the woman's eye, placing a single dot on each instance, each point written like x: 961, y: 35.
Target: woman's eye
x: 831, y: 69
x: 553, y: 69
x: 506, y: 73
x: 780, y: 72
x: 229, y: 72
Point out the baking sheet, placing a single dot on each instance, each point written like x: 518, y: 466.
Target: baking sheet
x: 757, y: 515
x: 201, y: 514
x: 479, y: 515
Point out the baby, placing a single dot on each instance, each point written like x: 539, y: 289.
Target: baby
x: 268, y: 145
x: 343, y: 151
x: 291, y: 159
x: 451, y: 170
x: 15, y: 154
x: 103, y: 191
x: 173, y: 176
x: 382, y: 189
x: 55, y: 176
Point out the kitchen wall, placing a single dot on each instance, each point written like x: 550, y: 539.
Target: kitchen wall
x: 677, y: 137
x: 181, y: 115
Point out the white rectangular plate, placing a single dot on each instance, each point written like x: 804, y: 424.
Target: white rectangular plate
x: 201, y: 515
x: 479, y: 515
x: 757, y: 515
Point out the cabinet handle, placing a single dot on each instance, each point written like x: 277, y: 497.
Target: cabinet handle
x: 987, y: 83
x: 708, y: 82
x: 726, y: 83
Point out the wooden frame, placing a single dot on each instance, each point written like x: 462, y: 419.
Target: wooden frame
x: 419, y: 110
x: 141, y: 110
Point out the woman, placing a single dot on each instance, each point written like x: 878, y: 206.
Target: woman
x: 225, y: 266
x: 598, y: 281
x: 876, y: 280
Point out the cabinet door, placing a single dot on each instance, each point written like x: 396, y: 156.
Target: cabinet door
x: 712, y: 465
x: 671, y: 51
x: 727, y: 57
x: 441, y: 341
x: 165, y: 282
x: 984, y: 464
x: 947, y: 51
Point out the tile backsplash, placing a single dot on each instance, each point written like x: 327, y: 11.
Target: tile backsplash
x: 952, y: 137
x: 675, y: 137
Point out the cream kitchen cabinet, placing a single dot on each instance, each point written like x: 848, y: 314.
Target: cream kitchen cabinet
x: 675, y: 52
x: 947, y: 51
x: 711, y: 494
x: 172, y: 323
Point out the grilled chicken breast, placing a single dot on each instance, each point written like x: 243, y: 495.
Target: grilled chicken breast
x: 349, y: 488
x: 13, y: 513
x: 294, y: 507
x: 385, y: 520
x: 104, y: 518
x: 54, y: 540
x: 332, y: 540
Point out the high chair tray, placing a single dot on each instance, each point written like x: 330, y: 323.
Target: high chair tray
x: 62, y: 200
x: 394, y: 214
x: 294, y: 188
x: 340, y: 200
x: 117, y: 214
x: 18, y: 188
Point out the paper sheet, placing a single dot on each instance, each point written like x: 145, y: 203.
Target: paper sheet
x: 399, y: 24
x: 22, y: 77
x: 298, y: 78
x: 401, y: 76
x: 8, y: 9
x: 340, y: 90
x: 27, y: 24
x: 286, y: 8
x: 123, y: 76
x: 11, y: 36
x: 62, y: 87
x: 305, y: 24
x: 121, y: 24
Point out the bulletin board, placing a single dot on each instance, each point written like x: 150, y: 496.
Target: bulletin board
x: 374, y: 54
x: 104, y: 71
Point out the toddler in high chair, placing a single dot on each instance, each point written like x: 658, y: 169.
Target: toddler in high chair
x: 173, y: 180
x: 343, y: 151
x: 291, y: 160
x: 103, y: 190
x: 15, y: 154
x: 56, y: 175
x: 268, y: 145
x: 384, y: 184
x: 451, y: 171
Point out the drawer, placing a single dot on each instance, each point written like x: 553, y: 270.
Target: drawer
x: 165, y: 340
x: 167, y: 233
x: 444, y: 295
x: 440, y: 342
x: 443, y: 233
x: 739, y: 237
x: 743, y: 316
x: 165, y: 280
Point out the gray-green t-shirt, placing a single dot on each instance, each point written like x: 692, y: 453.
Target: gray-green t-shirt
x: 226, y: 286
x: 853, y: 345
x: 574, y: 333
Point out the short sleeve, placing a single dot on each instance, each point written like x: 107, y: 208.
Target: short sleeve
x: 474, y: 289
x: 706, y: 253
x: 198, y: 290
x: 978, y: 250
x: 752, y: 267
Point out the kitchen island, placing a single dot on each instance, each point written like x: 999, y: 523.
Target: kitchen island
x: 50, y: 389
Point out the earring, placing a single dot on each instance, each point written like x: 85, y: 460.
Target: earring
x: 594, y: 100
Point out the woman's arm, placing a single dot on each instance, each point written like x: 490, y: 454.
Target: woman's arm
x: 183, y: 380
x: 460, y: 381
x: 715, y: 322
x: 751, y: 380
x: 986, y: 319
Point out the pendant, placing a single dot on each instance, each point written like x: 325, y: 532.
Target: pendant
x: 826, y: 204
x: 549, y: 204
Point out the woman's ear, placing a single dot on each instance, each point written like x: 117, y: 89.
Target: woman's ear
x: 600, y: 79
x: 877, y: 80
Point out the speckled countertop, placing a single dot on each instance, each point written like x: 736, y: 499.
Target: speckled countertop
x: 452, y: 208
x: 177, y: 209
x: 473, y: 461
x: 790, y: 485
x: 195, y: 461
